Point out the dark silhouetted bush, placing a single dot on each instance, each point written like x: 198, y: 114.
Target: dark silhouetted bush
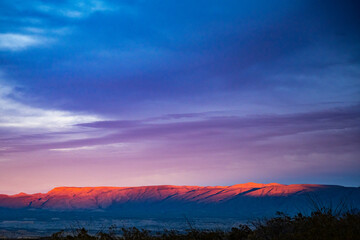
x: 321, y: 224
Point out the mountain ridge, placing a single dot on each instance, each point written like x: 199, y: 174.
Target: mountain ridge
x: 63, y: 198
x: 240, y: 200
x: 241, y: 185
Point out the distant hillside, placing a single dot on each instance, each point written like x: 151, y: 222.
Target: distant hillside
x: 242, y: 200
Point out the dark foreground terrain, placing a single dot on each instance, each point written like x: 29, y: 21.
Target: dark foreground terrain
x: 243, y: 201
x: 87, y: 212
x: 321, y: 224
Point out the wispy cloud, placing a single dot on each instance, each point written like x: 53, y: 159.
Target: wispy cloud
x: 95, y: 147
x: 239, y: 147
x: 15, y: 41
x: 73, y: 149
x: 35, y: 22
x: 75, y: 9
x: 222, y: 134
x: 17, y: 114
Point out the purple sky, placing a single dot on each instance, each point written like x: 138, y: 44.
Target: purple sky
x: 98, y: 92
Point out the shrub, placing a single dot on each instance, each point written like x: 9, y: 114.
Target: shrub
x: 321, y: 224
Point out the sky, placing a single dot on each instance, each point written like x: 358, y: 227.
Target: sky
x: 131, y: 93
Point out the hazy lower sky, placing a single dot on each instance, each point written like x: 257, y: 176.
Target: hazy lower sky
x: 123, y: 93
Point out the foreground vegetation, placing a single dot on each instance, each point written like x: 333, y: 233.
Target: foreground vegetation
x: 321, y: 224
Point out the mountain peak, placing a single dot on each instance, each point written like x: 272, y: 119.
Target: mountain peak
x: 255, y: 185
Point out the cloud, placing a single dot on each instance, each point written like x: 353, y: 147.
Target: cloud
x: 269, y: 147
x: 73, y: 149
x: 16, y: 42
x: 332, y: 129
x: 112, y: 124
x: 34, y: 23
x: 75, y: 9
x: 156, y: 69
x: 186, y: 58
x: 15, y: 113
x: 96, y: 147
